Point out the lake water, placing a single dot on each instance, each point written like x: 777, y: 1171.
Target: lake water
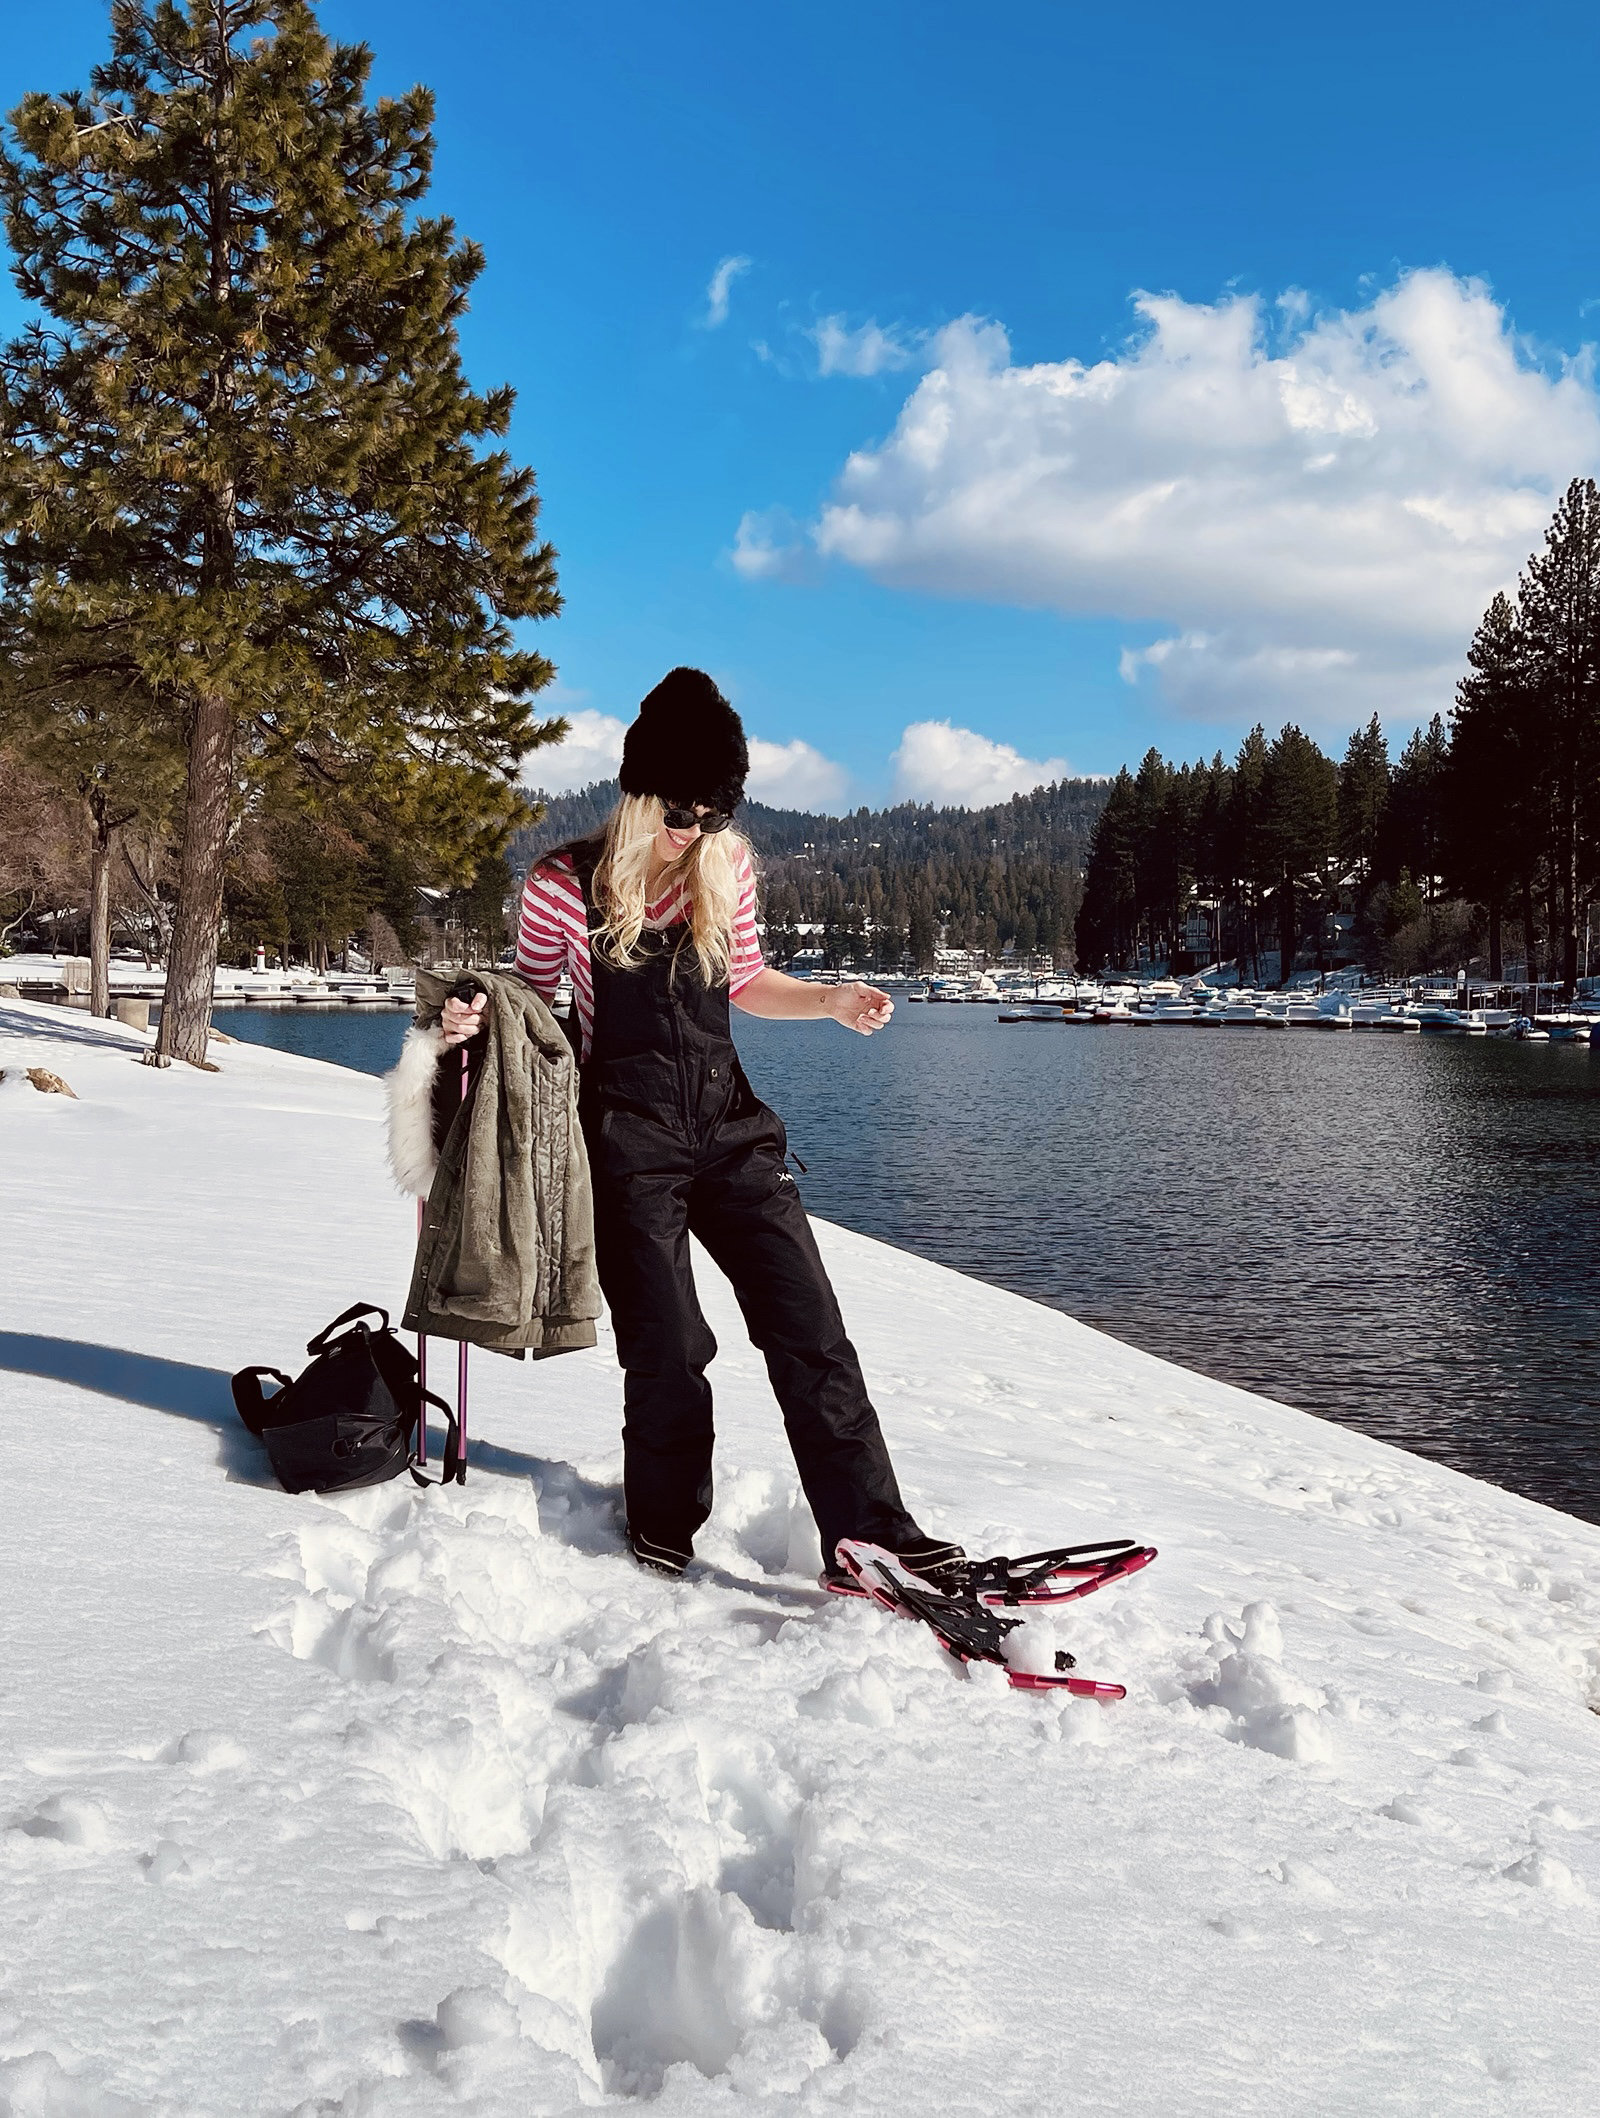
x: 1400, y: 1234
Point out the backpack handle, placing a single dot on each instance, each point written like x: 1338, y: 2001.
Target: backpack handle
x: 248, y: 1397
x: 319, y: 1343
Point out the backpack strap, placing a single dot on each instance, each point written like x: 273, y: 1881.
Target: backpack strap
x: 319, y: 1343
x: 452, y: 1444
x: 248, y: 1397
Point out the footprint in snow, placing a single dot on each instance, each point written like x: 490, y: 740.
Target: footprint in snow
x: 1541, y: 1871
x: 66, y: 1820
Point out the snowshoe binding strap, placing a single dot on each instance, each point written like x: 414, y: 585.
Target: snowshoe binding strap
x: 966, y: 1629
x: 969, y: 1631
x: 944, y: 1567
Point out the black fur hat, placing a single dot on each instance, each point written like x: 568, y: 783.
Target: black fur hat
x: 687, y: 744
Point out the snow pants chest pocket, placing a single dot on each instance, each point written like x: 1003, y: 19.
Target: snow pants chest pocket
x: 644, y: 1084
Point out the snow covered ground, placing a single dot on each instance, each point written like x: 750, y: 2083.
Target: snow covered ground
x: 417, y: 1802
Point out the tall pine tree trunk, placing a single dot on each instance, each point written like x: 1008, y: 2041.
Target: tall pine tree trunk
x: 1287, y: 931
x: 1530, y: 969
x: 1552, y: 917
x: 1496, y: 955
x: 192, y: 959
x: 1567, y: 884
x: 100, y: 850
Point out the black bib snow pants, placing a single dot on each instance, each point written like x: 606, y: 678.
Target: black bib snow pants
x: 679, y: 1143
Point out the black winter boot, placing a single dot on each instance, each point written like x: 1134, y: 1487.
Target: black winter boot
x: 658, y: 1558
x: 944, y: 1567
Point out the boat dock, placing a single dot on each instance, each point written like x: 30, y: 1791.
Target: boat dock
x: 1164, y: 1004
x: 64, y: 981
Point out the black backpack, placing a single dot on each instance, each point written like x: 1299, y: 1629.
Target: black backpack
x: 350, y: 1419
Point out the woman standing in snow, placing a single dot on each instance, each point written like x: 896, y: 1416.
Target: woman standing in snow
x: 653, y: 920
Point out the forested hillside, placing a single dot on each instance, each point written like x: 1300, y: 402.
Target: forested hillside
x: 1479, y: 844
x: 886, y: 883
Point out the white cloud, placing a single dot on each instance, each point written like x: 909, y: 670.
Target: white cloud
x: 768, y: 546
x: 794, y: 776
x: 591, y: 751
x: 937, y: 762
x: 718, y: 289
x: 867, y: 351
x: 1314, y: 521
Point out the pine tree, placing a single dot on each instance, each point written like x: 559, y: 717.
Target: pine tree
x: 1363, y: 798
x: 1152, y: 879
x: 238, y: 448
x: 1489, y: 782
x: 1108, y: 917
x: 923, y: 938
x: 1559, y: 597
x: 1247, y: 849
x: 1300, y: 797
x: 1413, y: 832
x: 1210, y: 845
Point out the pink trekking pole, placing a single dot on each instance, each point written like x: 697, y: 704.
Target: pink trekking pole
x: 422, y: 1369
x: 461, y: 1356
x: 461, y: 1360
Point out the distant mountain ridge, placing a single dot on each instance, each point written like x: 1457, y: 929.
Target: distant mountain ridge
x: 881, y: 884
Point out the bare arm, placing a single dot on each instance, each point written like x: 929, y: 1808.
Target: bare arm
x: 783, y: 999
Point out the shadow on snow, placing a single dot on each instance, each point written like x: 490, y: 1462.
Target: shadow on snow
x: 585, y: 1513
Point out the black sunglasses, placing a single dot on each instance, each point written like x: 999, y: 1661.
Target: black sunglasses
x: 677, y: 816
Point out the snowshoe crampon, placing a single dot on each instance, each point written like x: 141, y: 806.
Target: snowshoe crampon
x: 965, y: 1628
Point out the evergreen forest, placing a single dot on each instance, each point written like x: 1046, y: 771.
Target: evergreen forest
x: 1479, y: 845
x: 884, y: 887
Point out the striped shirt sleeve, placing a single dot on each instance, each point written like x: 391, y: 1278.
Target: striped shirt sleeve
x: 553, y: 937
x: 745, y: 962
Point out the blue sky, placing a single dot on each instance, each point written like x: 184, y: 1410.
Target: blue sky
x: 876, y: 494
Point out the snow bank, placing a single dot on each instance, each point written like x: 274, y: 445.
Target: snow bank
x: 410, y: 1803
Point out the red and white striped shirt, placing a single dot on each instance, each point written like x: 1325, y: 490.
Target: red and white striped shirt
x: 553, y: 932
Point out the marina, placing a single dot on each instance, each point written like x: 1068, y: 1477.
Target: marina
x: 1065, y: 1002
x: 1377, y: 1010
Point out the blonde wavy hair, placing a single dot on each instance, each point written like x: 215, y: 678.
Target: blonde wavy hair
x: 710, y: 873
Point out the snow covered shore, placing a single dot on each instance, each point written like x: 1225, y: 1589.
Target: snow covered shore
x: 410, y: 1803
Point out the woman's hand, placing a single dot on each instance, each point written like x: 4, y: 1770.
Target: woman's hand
x: 859, y: 1007
x: 459, y: 1022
